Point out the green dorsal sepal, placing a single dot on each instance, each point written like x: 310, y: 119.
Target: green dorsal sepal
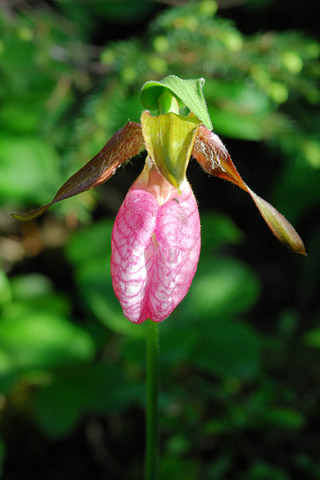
x: 169, y: 140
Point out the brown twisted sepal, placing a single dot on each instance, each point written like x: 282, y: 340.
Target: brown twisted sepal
x: 214, y: 158
x: 123, y: 145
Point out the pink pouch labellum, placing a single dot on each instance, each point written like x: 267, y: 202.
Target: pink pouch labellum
x: 155, y: 251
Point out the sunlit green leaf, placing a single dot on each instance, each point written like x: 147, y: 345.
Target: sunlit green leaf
x: 221, y: 287
x: 245, y: 126
x: 27, y: 287
x: 29, y: 169
x: 21, y: 116
x: 90, y: 244
x: 43, y: 340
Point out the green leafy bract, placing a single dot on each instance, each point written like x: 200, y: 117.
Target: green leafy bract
x: 188, y: 93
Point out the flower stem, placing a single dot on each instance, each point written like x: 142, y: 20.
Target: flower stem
x: 151, y: 455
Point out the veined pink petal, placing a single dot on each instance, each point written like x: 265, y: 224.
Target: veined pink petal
x: 155, y: 247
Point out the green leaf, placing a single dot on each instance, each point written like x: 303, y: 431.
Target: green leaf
x: 179, y: 469
x: 285, y: 417
x: 98, y: 388
x: 242, y: 125
x: 29, y: 169
x: 238, y: 109
x: 7, y: 372
x: 35, y: 293
x: 221, y: 287
x: 36, y: 340
x: 32, y: 286
x: 260, y: 470
x: 220, y: 345
x: 217, y: 230
x: 90, y: 244
x: 20, y: 115
x: 312, y: 338
x: 5, y: 290
x: 227, y: 348
x: 189, y: 92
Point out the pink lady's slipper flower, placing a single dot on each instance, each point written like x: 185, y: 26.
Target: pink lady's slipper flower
x: 156, y: 234
x: 155, y: 246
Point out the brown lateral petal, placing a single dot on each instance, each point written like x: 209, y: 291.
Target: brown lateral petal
x: 123, y: 145
x: 214, y: 158
x: 279, y: 225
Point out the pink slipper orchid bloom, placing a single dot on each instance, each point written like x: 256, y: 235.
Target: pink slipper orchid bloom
x: 155, y: 246
x: 156, y: 234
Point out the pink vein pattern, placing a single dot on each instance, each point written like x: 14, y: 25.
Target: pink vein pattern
x: 155, y: 251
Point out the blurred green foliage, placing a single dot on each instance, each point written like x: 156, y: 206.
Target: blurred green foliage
x: 240, y: 356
